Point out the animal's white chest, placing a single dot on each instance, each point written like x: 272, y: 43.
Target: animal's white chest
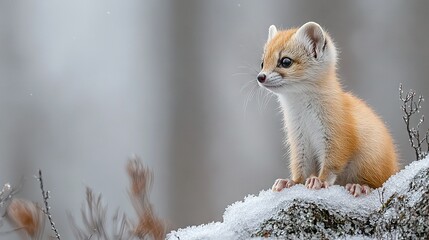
x: 305, y: 122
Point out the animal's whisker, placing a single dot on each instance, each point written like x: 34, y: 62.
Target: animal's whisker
x: 258, y: 93
x: 246, y: 85
x: 243, y: 73
x: 250, y: 68
x: 267, y: 98
x: 249, y: 97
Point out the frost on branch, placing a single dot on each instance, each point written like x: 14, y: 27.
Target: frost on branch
x: 6, y: 195
x: 47, y: 209
x: 410, y: 106
x: 400, y: 209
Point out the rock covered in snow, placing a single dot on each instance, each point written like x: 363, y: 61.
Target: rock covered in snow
x: 399, y: 209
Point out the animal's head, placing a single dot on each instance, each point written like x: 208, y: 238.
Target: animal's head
x: 296, y: 59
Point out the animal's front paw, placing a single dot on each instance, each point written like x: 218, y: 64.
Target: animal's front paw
x: 358, y: 190
x: 315, y: 183
x: 281, y: 184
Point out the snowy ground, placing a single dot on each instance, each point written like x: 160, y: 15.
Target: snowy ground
x: 242, y: 218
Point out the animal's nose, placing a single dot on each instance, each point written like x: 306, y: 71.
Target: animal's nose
x: 261, y: 77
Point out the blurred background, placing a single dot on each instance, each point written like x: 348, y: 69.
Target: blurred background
x: 86, y: 84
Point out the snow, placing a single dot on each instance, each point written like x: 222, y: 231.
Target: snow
x: 399, y: 182
x: 244, y: 217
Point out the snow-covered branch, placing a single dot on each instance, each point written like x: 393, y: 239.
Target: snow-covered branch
x: 401, y: 212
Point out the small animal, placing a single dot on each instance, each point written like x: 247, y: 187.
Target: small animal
x: 333, y: 136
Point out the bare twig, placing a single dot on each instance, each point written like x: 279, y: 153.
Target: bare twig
x: 47, y: 212
x: 411, y: 106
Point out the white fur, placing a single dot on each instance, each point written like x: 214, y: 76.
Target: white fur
x: 311, y: 35
x: 272, y: 31
x: 306, y: 126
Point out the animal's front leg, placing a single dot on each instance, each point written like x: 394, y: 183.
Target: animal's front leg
x: 296, y: 172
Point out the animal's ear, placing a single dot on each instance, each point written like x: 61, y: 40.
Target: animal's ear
x: 272, y: 31
x: 312, y: 36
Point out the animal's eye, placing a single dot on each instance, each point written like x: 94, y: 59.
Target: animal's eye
x: 262, y: 64
x: 285, y: 62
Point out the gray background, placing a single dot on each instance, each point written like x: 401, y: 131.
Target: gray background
x: 85, y: 84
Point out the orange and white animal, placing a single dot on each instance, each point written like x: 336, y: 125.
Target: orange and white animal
x: 333, y: 136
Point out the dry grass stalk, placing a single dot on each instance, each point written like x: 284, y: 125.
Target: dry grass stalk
x: 94, y: 221
x: 149, y: 226
x: 27, y: 216
x: 94, y: 213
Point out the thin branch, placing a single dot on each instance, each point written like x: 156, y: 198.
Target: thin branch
x: 410, y: 107
x: 47, y: 212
